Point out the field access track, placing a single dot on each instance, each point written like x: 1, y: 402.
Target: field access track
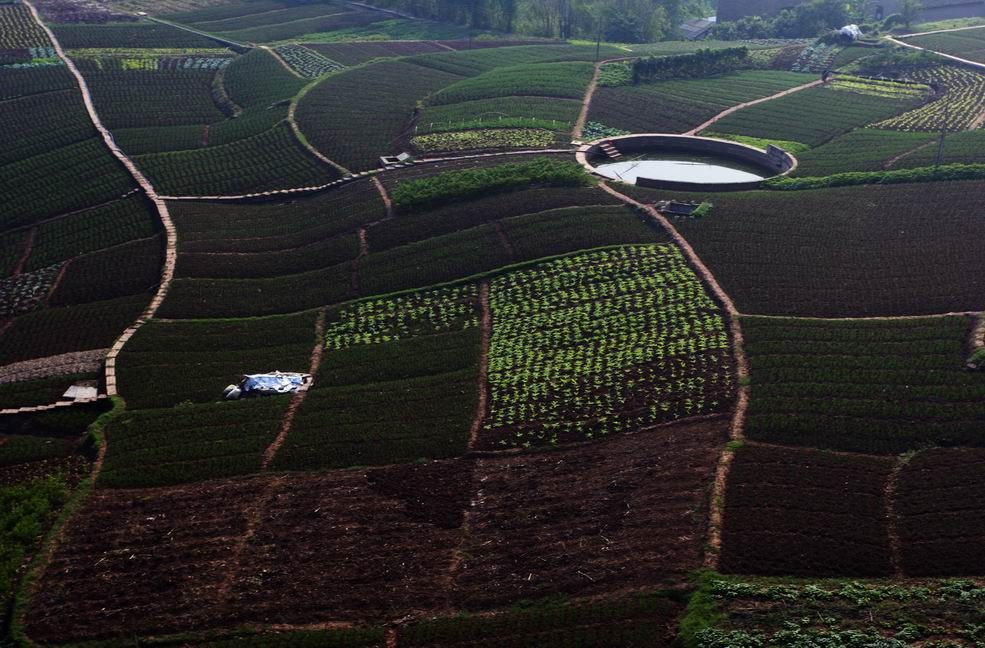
x: 159, y: 204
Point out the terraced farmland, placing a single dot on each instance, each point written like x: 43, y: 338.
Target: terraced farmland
x: 817, y: 115
x: 538, y: 408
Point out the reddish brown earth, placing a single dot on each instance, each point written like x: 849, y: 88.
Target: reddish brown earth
x: 344, y: 547
x: 941, y: 507
x: 73, y: 468
x: 372, y: 546
x: 143, y: 561
x: 795, y: 511
x: 630, y: 512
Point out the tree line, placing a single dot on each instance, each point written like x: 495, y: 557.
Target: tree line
x: 625, y: 21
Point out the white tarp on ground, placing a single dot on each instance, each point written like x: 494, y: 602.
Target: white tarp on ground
x: 268, y: 384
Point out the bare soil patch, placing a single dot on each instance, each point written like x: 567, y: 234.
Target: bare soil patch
x: 630, y: 512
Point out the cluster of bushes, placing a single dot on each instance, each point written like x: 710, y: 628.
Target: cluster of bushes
x: 704, y: 62
x: 26, y: 511
x: 943, y: 172
x: 452, y: 186
x: 803, y: 21
x: 896, y: 61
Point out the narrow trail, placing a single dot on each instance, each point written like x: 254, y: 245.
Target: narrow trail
x: 447, y: 47
x: 892, y: 515
x: 586, y: 103
x: 298, y: 398
x: 736, y: 434
x: 978, y: 332
x: 941, y: 31
x: 172, y: 239
x: 485, y: 323
x: 503, y: 240
x: 218, y: 39
x: 974, y: 64
x: 363, y: 242
x: 26, y: 254
x: 729, y: 111
x: 384, y: 196
x: 891, y: 161
x: 299, y: 136
x: 255, y: 513
x: 284, y: 64
x: 254, y: 517
x: 56, y: 284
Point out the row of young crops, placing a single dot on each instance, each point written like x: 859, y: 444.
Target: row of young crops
x: 936, y: 507
x: 678, y: 105
x: 306, y: 62
x: 958, y: 107
x: 837, y: 257
x: 761, y: 612
x: 816, y: 115
x: 310, y: 525
x: 601, y: 343
x: 18, y: 30
x: 355, y: 116
x: 875, y: 387
x: 968, y: 44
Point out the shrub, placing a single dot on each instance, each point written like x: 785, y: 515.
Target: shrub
x: 467, y: 184
x: 899, y: 176
x: 704, y: 62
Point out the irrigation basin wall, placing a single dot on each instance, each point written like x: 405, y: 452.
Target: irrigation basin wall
x: 773, y: 162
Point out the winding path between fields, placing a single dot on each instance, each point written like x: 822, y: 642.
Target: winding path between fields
x: 941, y: 31
x: 586, y: 103
x: 167, y: 274
x: 728, y: 111
x: 974, y: 64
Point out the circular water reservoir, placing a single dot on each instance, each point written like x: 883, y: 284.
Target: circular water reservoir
x: 681, y: 167
x: 684, y: 162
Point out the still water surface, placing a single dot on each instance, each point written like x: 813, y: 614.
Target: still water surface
x: 682, y: 167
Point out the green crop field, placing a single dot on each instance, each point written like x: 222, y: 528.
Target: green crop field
x: 816, y: 115
x: 507, y: 401
x: 681, y: 104
x: 968, y: 43
x: 866, y: 149
x: 878, y: 387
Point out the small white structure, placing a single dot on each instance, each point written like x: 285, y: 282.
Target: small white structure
x: 851, y: 31
x: 268, y: 384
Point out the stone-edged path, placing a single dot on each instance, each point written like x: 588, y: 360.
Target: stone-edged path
x: 162, y: 209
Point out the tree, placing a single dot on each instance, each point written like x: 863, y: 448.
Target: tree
x: 910, y: 10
